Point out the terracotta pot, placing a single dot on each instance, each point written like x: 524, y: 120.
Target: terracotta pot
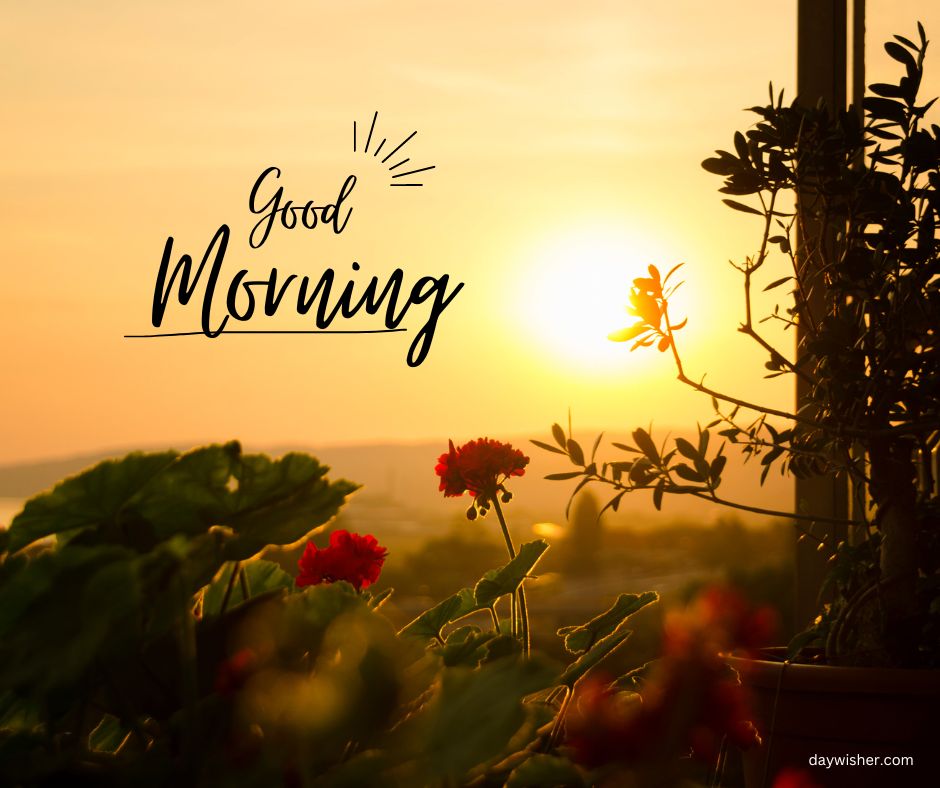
x: 808, y: 712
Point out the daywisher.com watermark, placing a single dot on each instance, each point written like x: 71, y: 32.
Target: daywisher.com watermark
x: 848, y: 759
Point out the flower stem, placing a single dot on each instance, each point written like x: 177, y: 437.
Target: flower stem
x: 523, y: 611
x: 555, y: 735
x: 495, y: 619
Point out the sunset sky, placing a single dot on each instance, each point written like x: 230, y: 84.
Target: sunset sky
x: 567, y: 139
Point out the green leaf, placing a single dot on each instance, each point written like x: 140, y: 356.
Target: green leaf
x: 509, y: 577
x: 886, y: 108
x: 587, y: 661
x: 777, y: 282
x: 17, y: 713
x: 103, y: 601
x: 429, y: 624
x: 658, y: 492
x: 579, y: 639
x: 95, y: 497
x: 633, y: 680
x: 740, y: 206
x: 686, y: 449
x: 557, y: 477
x: 546, y: 771
x: 717, y: 466
x: 280, y: 502
x: 262, y: 577
x: 899, y: 53
x: 189, y: 495
x: 625, y: 447
x: 559, y: 434
x: 645, y: 442
x: 479, y: 710
x: 546, y: 446
x: 466, y: 646
x: 144, y: 499
x: 597, y: 443
x: 376, y: 602
x: 108, y: 735
x: 721, y: 165
x: 626, y: 334
x: 575, y: 452
x: 307, y: 614
x: 683, y: 471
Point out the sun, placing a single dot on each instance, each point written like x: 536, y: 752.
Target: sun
x: 577, y: 285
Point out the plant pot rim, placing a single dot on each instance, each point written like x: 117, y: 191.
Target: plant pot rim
x: 774, y: 673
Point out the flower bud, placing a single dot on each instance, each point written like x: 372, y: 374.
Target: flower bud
x: 472, y: 513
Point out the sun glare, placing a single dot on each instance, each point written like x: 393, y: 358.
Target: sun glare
x: 578, y: 285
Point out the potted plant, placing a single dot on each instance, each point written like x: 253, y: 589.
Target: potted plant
x: 848, y: 203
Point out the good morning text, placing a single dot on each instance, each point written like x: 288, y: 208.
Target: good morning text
x: 325, y: 296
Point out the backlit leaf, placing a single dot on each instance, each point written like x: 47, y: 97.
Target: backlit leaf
x: 589, y: 660
x: 509, y: 577
x: 579, y: 639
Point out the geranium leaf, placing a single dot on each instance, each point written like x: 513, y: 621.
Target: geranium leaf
x: 509, y: 577
x: 466, y: 646
x: 144, y: 499
x: 279, y: 502
x: 579, y: 639
x: 376, y: 602
x: 430, y: 623
x: 94, y: 497
x: 261, y: 576
x: 477, y: 711
x: 587, y: 661
x: 108, y: 735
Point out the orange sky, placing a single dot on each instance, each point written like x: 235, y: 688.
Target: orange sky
x: 567, y: 140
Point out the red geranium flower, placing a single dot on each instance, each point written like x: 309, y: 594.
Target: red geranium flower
x: 479, y: 467
x: 691, y: 699
x: 350, y: 557
x: 723, y: 616
x: 452, y: 483
x: 795, y: 778
x: 234, y: 672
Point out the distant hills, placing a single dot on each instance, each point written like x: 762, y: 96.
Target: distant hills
x: 402, y: 475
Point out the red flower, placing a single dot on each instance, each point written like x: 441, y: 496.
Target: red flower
x: 452, y: 483
x: 795, y: 778
x: 350, y: 557
x: 604, y: 726
x: 479, y: 467
x: 234, y: 672
x: 732, y: 620
x: 691, y: 700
